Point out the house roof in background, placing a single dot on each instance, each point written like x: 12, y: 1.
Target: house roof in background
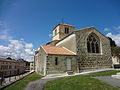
x: 7, y: 60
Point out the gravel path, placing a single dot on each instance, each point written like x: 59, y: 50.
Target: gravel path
x: 39, y: 84
x: 108, y: 79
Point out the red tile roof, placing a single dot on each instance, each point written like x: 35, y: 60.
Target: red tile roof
x: 57, y: 50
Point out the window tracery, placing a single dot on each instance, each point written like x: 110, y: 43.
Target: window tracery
x: 93, y: 44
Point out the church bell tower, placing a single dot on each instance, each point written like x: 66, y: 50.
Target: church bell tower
x: 61, y: 31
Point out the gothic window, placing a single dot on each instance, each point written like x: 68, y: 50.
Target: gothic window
x: 93, y: 44
x: 66, y: 30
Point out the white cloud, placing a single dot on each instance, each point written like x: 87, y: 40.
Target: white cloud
x: 113, y: 28
x: 29, y: 45
x: 50, y: 35
x: 115, y: 37
x: 107, y: 29
x: 117, y: 28
x: 17, y: 49
x: 4, y: 35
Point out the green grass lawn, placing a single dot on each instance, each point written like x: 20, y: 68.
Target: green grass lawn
x: 21, y: 84
x: 82, y: 82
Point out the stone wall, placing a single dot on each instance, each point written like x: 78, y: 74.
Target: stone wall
x: 36, y: 62
x: 92, y: 60
x: 62, y: 33
x: 61, y: 67
x: 40, y: 62
x: 56, y: 33
x: 31, y: 66
x: 59, y: 32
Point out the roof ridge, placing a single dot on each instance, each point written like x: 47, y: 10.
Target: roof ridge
x: 69, y: 50
x: 50, y: 45
x: 44, y: 49
x: 83, y: 28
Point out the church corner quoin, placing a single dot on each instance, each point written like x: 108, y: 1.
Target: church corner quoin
x: 72, y: 51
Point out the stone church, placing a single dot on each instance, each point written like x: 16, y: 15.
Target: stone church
x: 73, y: 51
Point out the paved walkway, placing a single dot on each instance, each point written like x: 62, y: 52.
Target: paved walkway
x: 108, y: 79
x: 39, y: 84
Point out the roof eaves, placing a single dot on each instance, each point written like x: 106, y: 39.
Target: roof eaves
x: 62, y: 54
x: 44, y: 49
x: 53, y: 41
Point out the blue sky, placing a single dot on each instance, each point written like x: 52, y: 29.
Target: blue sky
x: 33, y: 20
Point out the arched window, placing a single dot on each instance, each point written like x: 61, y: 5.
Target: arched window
x: 93, y: 44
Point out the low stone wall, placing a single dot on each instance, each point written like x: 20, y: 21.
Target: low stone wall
x: 10, y: 80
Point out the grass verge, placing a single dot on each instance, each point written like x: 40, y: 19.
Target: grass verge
x: 82, y: 82
x: 21, y: 84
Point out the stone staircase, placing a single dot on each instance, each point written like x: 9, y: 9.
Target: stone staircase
x: 117, y: 76
x: 70, y: 72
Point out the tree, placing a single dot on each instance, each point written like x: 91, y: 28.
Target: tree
x: 9, y: 58
x: 112, y: 42
x: 116, y: 51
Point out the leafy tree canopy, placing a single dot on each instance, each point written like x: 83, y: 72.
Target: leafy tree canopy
x: 9, y: 58
x: 112, y: 42
x: 116, y: 51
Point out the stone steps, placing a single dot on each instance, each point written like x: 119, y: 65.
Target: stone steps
x: 70, y: 72
x: 54, y: 75
x: 117, y: 76
x: 118, y: 73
